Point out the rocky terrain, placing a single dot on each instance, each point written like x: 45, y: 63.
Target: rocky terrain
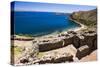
x: 68, y: 46
x: 63, y: 48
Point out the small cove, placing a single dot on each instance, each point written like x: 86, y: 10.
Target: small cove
x: 41, y: 23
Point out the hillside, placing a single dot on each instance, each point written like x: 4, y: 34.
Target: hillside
x: 88, y: 18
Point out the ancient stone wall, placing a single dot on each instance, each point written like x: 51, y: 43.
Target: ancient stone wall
x: 78, y: 40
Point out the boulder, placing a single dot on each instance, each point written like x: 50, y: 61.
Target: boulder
x: 82, y: 51
x: 24, y: 60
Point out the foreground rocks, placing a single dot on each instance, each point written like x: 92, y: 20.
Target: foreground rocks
x: 83, y: 51
x: 67, y: 47
x: 58, y: 59
x: 23, y: 51
x: 87, y: 38
x: 64, y: 54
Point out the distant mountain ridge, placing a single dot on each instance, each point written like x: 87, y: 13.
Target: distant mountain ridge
x: 88, y: 18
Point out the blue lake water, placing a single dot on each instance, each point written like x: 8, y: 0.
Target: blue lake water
x: 38, y: 23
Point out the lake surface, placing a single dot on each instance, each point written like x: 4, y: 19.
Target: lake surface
x: 39, y: 23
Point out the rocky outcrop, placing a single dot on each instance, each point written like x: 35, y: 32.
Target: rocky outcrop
x: 82, y: 51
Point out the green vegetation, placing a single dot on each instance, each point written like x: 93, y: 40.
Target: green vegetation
x: 26, y: 35
x: 88, y: 23
x: 41, y: 54
x: 16, y: 50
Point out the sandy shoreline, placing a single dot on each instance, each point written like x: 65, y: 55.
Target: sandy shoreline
x: 82, y: 26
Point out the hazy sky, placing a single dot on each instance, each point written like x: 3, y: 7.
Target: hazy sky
x: 49, y: 7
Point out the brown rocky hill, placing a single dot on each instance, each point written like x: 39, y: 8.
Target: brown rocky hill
x: 88, y: 18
